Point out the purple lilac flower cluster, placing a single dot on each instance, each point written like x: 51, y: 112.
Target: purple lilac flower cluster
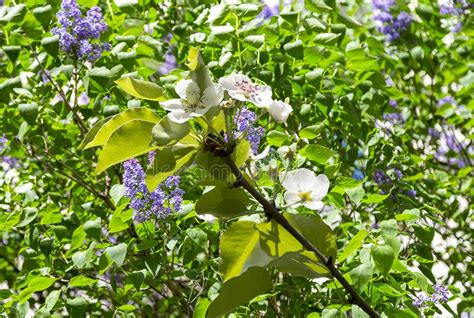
x: 387, y: 23
x: 452, y: 147
x: 77, y: 33
x: 170, y: 62
x: 455, y: 8
x: 385, y: 182
x: 393, y: 118
x: 245, y: 122
x: 8, y: 160
x: 358, y: 175
x: 270, y: 9
x: 446, y: 100
x: 440, y: 295
x: 157, y: 204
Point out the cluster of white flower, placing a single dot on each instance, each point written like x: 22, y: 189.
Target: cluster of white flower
x: 193, y: 102
x: 302, y: 186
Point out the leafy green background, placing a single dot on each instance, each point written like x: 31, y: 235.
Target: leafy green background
x: 69, y: 246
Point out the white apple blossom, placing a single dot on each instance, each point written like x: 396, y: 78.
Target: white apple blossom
x: 241, y: 88
x: 192, y: 103
x: 279, y: 111
x: 303, y: 187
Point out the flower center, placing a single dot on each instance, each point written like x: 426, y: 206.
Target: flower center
x: 305, y: 196
x: 191, y: 107
x: 246, y: 87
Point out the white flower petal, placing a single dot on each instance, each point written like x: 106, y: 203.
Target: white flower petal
x: 314, y: 205
x: 206, y: 217
x: 299, y: 180
x: 200, y: 111
x: 238, y: 85
x: 238, y: 96
x: 320, y: 187
x: 229, y: 82
x: 280, y: 111
x: 292, y: 198
x: 263, y: 96
x: 179, y: 116
x: 188, y: 90
x: 172, y: 104
x: 212, y: 95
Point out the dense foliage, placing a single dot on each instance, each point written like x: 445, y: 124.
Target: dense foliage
x: 194, y: 158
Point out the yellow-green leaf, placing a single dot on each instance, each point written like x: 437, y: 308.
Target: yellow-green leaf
x: 354, y: 244
x: 239, y: 291
x: 167, y: 161
x: 130, y: 140
x: 98, y: 136
x: 240, y: 249
x: 141, y: 89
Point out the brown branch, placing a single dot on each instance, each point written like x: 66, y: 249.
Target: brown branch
x: 274, y: 213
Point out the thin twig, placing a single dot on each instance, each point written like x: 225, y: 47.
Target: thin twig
x: 77, y: 118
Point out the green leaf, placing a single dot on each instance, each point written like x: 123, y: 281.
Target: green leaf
x: 130, y: 140
x: 41, y: 283
x: 167, y: 131
x: 354, y: 244
x: 78, y: 237
x: 317, y: 5
x: 240, y: 249
x: 347, y: 183
x: 223, y: 202
x: 278, y: 243
x: 362, y: 274
x: 294, y: 49
x: 43, y: 14
x: 120, y: 220
x: 127, y: 308
x: 117, y: 253
x: 357, y: 312
x: 303, y: 264
x: 29, y: 112
x: 214, y: 166
x: 201, y: 308
x: 408, y: 215
x: 136, y: 278
x: 348, y: 20
x: 198, y: 236
x: 311, y: 132
x: 141, y: 89
x: 314, y: 24
x: 277, y: 138
x: 81, y: 258
x: 317, y: 153
x: 167, y: 162
x: 52, y: 299
x: 80, y: 281
x: 30, y: 215
x: 199, y: 72
x: 375, y: 198
x: 239, y: 291
x: 383, y: 257
x: 256, y: 41
x: 241, y: 153
x: 98, y: 136
x: 356, y: 194
x: 14, y: 13
x: 91, y: 134
x: 327, y: 38
x: 93, y: 228
x: 35, y: 285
